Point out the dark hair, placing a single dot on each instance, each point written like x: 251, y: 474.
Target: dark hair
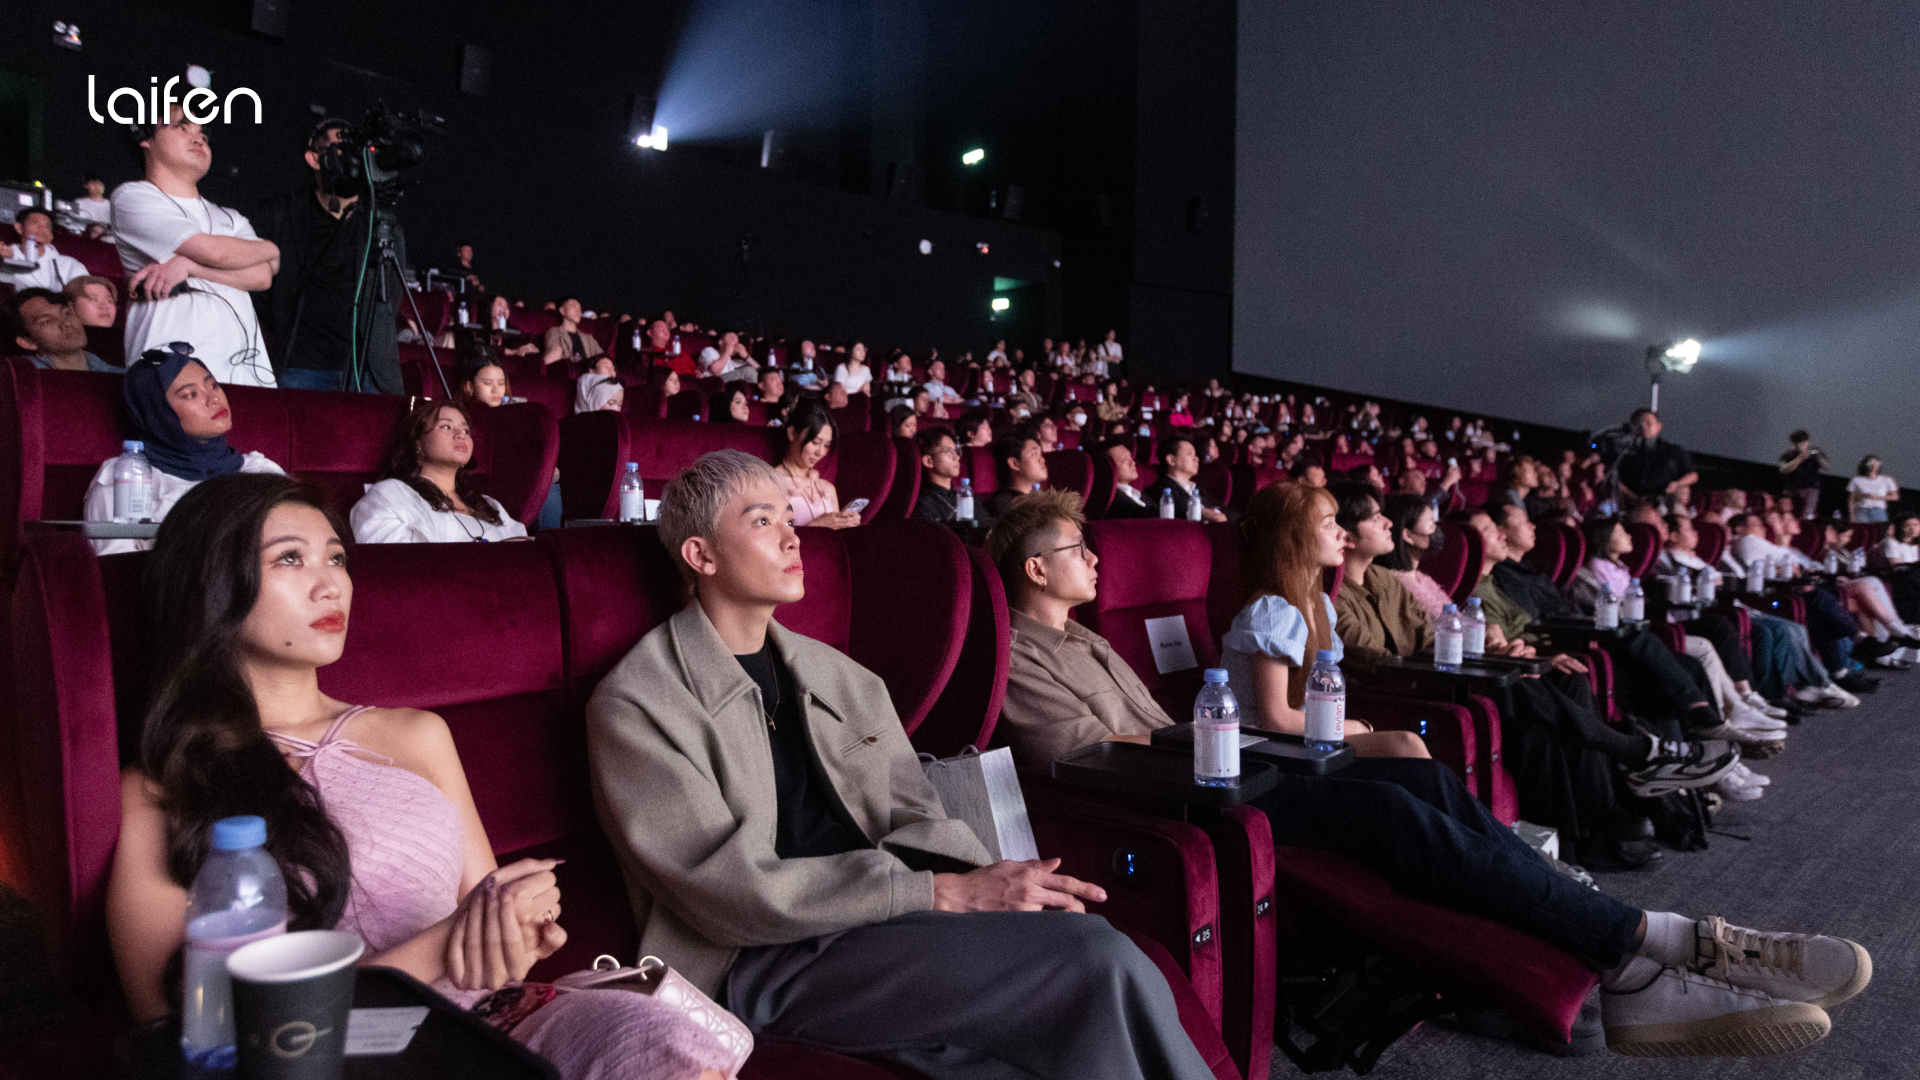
x: 17, y: 322
x: 720, y: 405
x: 477, y: 353
x: 1637, y: 414
x: 402, y: 462
x: 1739, y: 521
x: 1105, y: 446
x: 1353, y: 502
x: 1673, y: 522
x: 927, y: 439
x: 20, y: 217
x: 1862, y: 469
x: 809, y: 418
x: 562, y: 302
x: 1799, y: 436
x: 1009, y: 446
x: 1597, y: 531
x: 1403, y: 510
x: 316, y: 140
x: 1008, y: 544
x: 202, y: 744
x: 90, y: 178
x: 970, y: 423
x: 898, y: 415
x: 1304, y: 462
x: 1170, y: 446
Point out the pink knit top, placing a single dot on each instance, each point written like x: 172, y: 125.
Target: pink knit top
x: 404, y: 838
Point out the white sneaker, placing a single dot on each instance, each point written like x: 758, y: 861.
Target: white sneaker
x: 1731, y: 788
x: 1676, y: 1013
x: 1810, y: 968
x: 1751, y: 778
x: 1752, y: 719
x: 1760, y: 704
x: 1754, y: 744
x: 1838, y: 698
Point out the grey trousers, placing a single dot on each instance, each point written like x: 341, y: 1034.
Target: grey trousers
x: 979, y: 996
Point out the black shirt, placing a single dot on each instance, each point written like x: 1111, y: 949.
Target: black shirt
x: 1806, y: 474
x: 813, y: 821
x: 935, y: 503
x: 326, y: 314
x: 579, y: 348
x: 1650, y: 467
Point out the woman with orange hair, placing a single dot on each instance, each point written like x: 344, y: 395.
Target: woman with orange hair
x: 1292, y: 539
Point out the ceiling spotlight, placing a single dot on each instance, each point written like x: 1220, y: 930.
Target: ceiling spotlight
x: 973, y: 157
x: 1001, y: 303
x: 1681, y: 356
x: 653, y: 140
x: 926, y: 247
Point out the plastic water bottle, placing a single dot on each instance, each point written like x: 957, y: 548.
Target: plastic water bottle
x: 1216, y: 733
x: 463, y: 313
x: 633, y: 494
x: 1857, y: 560
x: 1831, y: 564
x: 676, y: 344
x: 1680, y: 587
x: 963, y: 501
x: 1633, y: 608
x: 1474, y: 622
x: 1708, y: 583
x: 1757, y: 576
x: 1449, y: 639
x: 1166, y: 504
x: 1326, y: 704
x: 237, y: 898
x: 132, y: 484
x: 1036, y: 487
x: 636, y: 337
x: 1606, y: 610
x: 1193, y: 505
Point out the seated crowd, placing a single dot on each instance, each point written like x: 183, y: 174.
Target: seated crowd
x: 828, y: 896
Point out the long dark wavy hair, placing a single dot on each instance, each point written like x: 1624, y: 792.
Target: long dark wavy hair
x: 202, y: 744
x: 402, y: 463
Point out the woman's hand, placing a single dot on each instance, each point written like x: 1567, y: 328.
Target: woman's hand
x: 839, y: 519
x: 506, y: 924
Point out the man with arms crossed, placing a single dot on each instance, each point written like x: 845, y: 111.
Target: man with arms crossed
x: 785, y: 852
x: 190, y: 264
x: 1671, y: 985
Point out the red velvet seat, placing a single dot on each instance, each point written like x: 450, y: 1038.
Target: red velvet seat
x: 1646, y: 549
x: 1454, y: 560
x: 1072, y: 470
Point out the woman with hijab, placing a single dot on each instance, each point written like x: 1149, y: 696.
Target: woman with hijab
x: 428, y: 495
x: 597, y: 390
x: 181, y: 416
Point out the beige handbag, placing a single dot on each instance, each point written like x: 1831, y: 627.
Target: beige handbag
x: 655, y: 979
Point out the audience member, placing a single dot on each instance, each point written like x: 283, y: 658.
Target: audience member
x: 1179, y: 464
x: 810, y: 438
x: 1655, y: 469
x: 830, y: 897
x: 1107, y: 354
x: 50, y: 269
x: 598, y: 391
x: 1415, y: 529
x: 427, y: 494
x: 176, y: 408
x: 1409, y: 819
x: 1020, y: 466
x: 936, y: 385
x: 486, y: 382
x: 939, y: 468
x: 463, y: 266
x: 1128, y: 500
x: 974, y: 428
x: 565, y: 341
x: 903, y: 422
x: 729, y: 405
x: 96, y: 299
x: 1023, y: 402
x: 370, y: 814
x: 191, y: 264
x: 805, y: 371
x: 1307, y: 471
x: 93, y: 206
x: 1869, y: 492
x: 1108, y: 408
x: 1801, y: 466
x: 852, y: 374
x: 46, y: 326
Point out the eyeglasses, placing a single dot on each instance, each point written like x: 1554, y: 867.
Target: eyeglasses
x: 1082, y: 545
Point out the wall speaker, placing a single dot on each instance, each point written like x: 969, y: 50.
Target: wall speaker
x: 270, y: 17
x: 476, y: 62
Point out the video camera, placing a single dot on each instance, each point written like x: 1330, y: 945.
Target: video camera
x: 376, y: 154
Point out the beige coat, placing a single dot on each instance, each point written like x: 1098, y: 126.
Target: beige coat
x: 683, y: 781
x: 1065, y: 690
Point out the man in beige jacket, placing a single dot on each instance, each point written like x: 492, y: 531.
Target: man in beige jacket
x: 785, y: 852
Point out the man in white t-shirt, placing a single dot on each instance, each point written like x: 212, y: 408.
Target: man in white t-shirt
x: 1869, y: 492
x: 190, y: 264
x: 51, y: 270
x: 94, y: 207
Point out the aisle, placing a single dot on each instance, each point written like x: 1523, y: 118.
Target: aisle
x: 1832, y: 850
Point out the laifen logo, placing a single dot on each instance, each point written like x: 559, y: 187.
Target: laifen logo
x: 158, y: 102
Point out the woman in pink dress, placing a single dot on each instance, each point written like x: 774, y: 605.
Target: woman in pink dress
x: 810, y: 436
x: 371, y: 818
x: 1414, y: 525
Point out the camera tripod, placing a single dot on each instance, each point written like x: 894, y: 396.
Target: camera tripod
x: 383, y: 223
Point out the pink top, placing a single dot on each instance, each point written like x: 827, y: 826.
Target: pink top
x: 405, y: 841
x: 811, y: 498
x: 1426, y: 591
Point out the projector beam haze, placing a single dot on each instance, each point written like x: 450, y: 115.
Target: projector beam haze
x: 743, y: 66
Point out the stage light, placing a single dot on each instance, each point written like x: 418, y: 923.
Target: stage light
x: 973, y: 157
x: 1681, y: 356
x: 926, y: 247
x: 982, y: 247
x: 653, y: 140
x: 1001, y: 303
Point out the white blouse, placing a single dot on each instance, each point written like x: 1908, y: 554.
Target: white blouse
x: 393, y: 513
x: 855, y: 382
x: 167, y: 490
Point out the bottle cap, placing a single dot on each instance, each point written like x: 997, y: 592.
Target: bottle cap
x: 1473, y: 601
x: 633, y: 466
x: 133, y: 444
x: 1633, y: 581
x: 1215, y: 676
x: 1323, y: 656
x: 239, y: 833
x: 1449, y: 607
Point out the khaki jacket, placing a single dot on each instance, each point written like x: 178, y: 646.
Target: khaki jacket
x: 1379, y: 617
x: 1066, y: 689
x: 683, y: 782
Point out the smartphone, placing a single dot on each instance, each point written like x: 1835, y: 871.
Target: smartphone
x: 855, y: 506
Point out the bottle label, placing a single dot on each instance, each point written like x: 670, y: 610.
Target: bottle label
x: 1634, y: 609
x: 1326, y: 717
x: 132, y: 499
x: 1475, y: 642
x: 1448, y: 648
x: 1216, y: 750
x: 963, y: 508
x: 633, y: 506
x: 1606, y: 615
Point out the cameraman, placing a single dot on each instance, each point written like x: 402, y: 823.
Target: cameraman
x: 1654, y: 469
x: 321, y: 228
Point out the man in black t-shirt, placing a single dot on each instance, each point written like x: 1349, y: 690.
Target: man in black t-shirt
x: 1802, y: 466
x: 939, y: 468
x: 1655, y: 469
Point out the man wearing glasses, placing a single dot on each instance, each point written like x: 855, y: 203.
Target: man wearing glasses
x: 939, y: 468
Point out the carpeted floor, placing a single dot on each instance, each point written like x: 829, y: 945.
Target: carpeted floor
x: 1830, y: 849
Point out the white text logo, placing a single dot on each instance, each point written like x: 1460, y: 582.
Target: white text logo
x: 157, y: 104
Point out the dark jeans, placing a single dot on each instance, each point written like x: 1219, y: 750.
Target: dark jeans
x: 300, y: 378
x: 1413, y: 822
x: 1831, y: 628
x: 1649, y: 678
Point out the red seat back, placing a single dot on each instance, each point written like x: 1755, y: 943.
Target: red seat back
x: 1549, y: 549
x: 1153, y: 569
x: 1072, y: 470
x: 1646, y: 549
x: 1712, y: 543
x: 1454, y: 562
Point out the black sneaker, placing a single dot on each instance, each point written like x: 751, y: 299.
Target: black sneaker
x: 1677, y: 766
x: 1855, y: 683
